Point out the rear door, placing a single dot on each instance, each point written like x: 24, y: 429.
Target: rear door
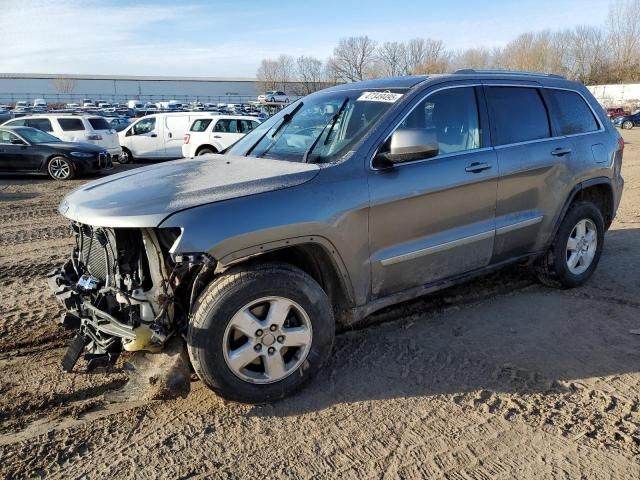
x: 535, y: 168
x: 435, y: 218
x: 175, y: 128
x: 102, y: 128
x: 226, y: 132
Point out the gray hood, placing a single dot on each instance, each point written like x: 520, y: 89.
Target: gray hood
x: 143, y: 197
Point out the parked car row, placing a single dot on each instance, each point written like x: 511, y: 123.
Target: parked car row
x: 161, y: 136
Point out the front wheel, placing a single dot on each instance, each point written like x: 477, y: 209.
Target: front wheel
x: 259, y: 334
x: 627, y: 125
x: 125, y: 157
x: 576, y: 249
x: 59, y: 168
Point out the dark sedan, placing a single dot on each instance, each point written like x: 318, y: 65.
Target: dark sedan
x: 628, y: 121
x: 27, y: 150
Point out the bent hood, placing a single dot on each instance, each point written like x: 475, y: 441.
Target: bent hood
x: 143, y: 197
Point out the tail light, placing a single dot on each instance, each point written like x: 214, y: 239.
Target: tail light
x: 94, y: 137
x: 621, y: 145
x: 187, y: 137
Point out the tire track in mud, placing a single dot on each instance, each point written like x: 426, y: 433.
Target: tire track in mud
x: 32, y: 213
x: 19, y: 236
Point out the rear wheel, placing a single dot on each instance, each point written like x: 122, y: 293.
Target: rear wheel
x: 576, y: 249
x: 59, y: 168
x: 627, y: 125
x: 259, y: 334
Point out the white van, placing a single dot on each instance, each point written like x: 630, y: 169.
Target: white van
x: 158, y: 136
x: 74, y: 128
x: 135, y: 104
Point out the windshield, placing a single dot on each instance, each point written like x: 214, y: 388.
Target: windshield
x: 317, y: 128
x: 32, y: 135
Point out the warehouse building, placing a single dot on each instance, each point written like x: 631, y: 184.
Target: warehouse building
x: 74, y: 88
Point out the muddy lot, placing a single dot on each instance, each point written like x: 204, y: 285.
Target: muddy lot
x: 498, y: 378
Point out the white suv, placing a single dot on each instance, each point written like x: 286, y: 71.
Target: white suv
x: 274, y: 96
x: 214, y: 134
x: 74, y: 128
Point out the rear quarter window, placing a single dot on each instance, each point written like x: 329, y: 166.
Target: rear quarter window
x: 570, y: 112
x: 518, y: 113
x: 15, y: 123
x: 99, y: 124
x: 200, y: 125
x: 71, y: 124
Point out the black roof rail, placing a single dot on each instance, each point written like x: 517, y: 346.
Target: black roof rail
x: 468, y: 71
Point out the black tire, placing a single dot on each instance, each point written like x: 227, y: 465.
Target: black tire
x: 226, y: 296
x: 125, y: 157
x: 552, y: 269
x: 60, y: 168
x: 205, y: 151
x: 627, y: 125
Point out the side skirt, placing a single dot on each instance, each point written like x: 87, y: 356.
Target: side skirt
x: 358, y: 313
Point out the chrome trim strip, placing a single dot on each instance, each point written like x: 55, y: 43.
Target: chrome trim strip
x: 436, y: 248
x: 518, y: 225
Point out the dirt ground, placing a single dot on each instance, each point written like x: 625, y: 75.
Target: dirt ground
x: 498, y: 378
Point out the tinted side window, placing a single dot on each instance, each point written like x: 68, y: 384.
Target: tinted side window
x: 200, y: 125
x: 519, y: 115
x: 226, y: 126
x: 71, y: 124
x: 245, y: 126
x: 16, y: 123
x: 7, y: 137
x: 452, y: 116
x: 571, y: 114
x: 41, y: 124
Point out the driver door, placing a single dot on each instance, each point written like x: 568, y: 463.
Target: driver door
x: 145, y: 140
x: 17, y: 157
x: 434, y: 218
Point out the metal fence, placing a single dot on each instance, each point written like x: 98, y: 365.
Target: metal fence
x: 62, y: 98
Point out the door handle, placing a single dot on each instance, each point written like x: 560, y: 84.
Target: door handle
x: 559, y: 152
x: 153, y: 135
x: 217, y: 136
x: 477, y: 167
x: 170, y: 135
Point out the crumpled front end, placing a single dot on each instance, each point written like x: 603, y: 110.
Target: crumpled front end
x: 121, y: 290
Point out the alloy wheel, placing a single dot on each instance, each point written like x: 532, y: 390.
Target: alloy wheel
x: 267, y: 340
x: 581, y: 246
x: 59, y: 169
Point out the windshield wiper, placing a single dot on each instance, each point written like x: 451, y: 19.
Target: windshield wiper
x: 331, y: 124
x: 286, y: 119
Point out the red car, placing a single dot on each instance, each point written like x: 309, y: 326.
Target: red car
x: 617, y: 112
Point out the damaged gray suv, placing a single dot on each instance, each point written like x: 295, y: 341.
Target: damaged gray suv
x: 349, y: 200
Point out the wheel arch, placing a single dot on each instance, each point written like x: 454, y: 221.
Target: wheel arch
x: 315, y: 256
x: 597, y: 190
x: 206, y: 145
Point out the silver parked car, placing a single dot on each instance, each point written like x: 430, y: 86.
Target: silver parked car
x: 349, y: 200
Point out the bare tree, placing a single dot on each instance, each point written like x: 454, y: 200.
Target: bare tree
x: 310, y: 72
x: 480, y: 58
x: 425, y: 55
x: 64, y: 85
x: 623, y: 24
x: 392, y: 57
x: 353, y: 59
x: 267, y: 75
x: 286, y: 70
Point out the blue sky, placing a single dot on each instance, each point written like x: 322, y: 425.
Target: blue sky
x: 228, y: 38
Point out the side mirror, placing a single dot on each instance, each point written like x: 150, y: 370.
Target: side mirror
x: 17, y: 141
x: 409, y: 144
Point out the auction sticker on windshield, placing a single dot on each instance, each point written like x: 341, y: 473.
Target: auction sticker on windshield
x: 386, y: 97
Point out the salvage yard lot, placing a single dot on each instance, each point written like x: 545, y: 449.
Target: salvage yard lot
x: 498, y: 378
